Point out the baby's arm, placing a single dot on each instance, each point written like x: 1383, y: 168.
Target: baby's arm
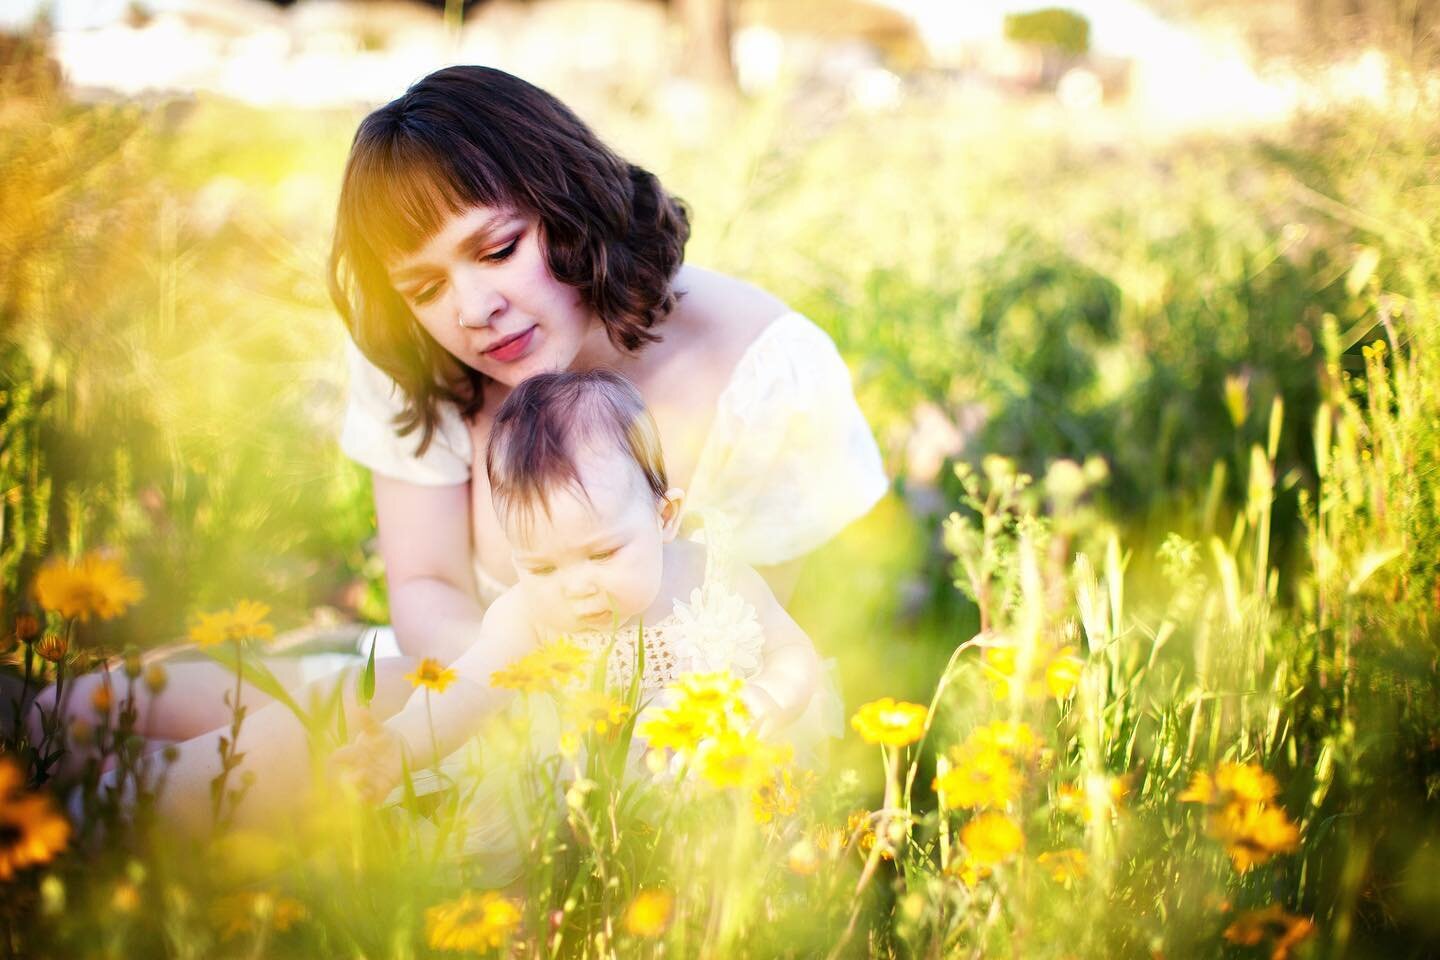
x: 374, y: 760
x: 790, y: 667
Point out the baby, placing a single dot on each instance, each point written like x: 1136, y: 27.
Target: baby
x: 579, y: 486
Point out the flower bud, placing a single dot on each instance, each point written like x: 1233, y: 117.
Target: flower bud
x: 156, y: 678
x: 102, y: 699
x: 132, y: 663
x: 27, y: 627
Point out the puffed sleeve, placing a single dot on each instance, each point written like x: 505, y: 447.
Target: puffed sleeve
x: 790, y: 460
x: 368, y: 435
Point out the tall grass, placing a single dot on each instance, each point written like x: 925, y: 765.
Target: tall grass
x: 1189, y: 547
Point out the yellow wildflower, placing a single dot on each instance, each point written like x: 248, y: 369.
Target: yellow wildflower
x: 984, y: 777
x: 551, y: 668
x: 53, y: 647
x: 432, y: 675
x: 779, y: 795
x: 102, y: 699
x: 649, y: 913
x: 126, y: 897
x: 1201, y: 789
x: 474, y: 922
x: 861, y: 826
x: 590, y: 710
x: 992, y: 838
x: 1062, y: 675
x: 210, y: 629
x: 968, y: 871
x: 1065, y: 866
x: 734, y: 759
x: 156, y: 678
x: 1253, y: 833
x: 96, y: 586
x: 1284, y: 930
x: 890, y: 722
x: 247, y: 912
x: 1015, y: 738
x: 1246, y: 781
x: 27, y: 626
x: 676, y: 729
x: 32, y: 831
x: 1070, y: 798
x: 247, y: 621
x: 717, y: 692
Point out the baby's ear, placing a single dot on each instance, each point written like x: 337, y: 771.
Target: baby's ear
x: 672, y: 507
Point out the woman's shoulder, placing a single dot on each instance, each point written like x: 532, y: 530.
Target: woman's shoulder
x: 721, y: 314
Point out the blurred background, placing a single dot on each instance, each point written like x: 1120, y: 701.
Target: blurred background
x: 1101, y: 230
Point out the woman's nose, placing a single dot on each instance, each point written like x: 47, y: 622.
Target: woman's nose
x: 477, y: 303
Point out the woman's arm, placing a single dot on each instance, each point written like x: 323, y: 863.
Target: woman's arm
x: 425, y: 541
x: 790, y: 667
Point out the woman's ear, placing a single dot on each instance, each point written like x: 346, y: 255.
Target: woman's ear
x: 672, y: 507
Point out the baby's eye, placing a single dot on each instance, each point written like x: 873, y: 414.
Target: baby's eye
x: 604, y: 555
x: 542, y: 571
x: 503, y: 253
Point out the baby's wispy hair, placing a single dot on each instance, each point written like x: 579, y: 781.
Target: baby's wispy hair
x: 549, y: 418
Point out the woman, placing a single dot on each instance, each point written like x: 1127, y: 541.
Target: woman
x: 485, y: 234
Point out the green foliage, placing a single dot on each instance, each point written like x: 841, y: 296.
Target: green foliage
x: 1055, y: 28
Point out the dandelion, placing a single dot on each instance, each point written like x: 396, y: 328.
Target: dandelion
x: 649, y: 913
x: 890, y: 722
x: 979, y: 778
x: 53, y: 647
x: 432, y: 675
x: 677, y: 729
x: 1284, y: 930
x: 992, y: 838
x: 734, y: 759
x: 591, y: 710
x: 95, y: 587
x: 474, y: 922
x: 32, y: 831
x: 1064, y: 866
x: 1247, y: 782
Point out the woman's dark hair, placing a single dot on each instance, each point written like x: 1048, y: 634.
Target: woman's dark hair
x: 470, y: 136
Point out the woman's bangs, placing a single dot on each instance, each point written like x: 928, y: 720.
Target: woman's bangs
x: 401, y: 198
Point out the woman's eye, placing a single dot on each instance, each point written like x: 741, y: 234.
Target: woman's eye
x: 425, y: 294
x: 503, y: 253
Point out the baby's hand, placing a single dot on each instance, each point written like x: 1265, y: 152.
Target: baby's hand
x: 371, y: 762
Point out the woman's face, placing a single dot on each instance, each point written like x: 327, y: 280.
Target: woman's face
x: 482, y: 289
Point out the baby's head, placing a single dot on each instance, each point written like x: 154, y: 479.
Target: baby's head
x: 579, y: 485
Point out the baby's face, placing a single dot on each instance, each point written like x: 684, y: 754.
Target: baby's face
x: 594, y: 561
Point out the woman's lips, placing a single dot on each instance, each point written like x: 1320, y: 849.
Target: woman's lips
x: 512, y: 347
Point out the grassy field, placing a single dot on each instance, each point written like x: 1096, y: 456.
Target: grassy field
x: 1161, y: 636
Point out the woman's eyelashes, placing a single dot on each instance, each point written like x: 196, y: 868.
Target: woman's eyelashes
x: 428, y: 292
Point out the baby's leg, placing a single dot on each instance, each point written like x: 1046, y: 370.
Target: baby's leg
x: 277, y: 753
